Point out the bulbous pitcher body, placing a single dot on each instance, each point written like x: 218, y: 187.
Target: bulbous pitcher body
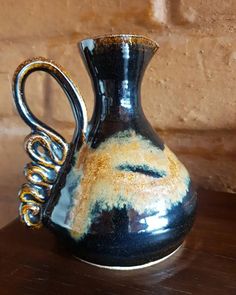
x: 116, y: 195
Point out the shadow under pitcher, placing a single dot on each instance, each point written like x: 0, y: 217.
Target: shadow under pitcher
x: 115, y: 195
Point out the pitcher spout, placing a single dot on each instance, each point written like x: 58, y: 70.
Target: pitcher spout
x: 113, y: 57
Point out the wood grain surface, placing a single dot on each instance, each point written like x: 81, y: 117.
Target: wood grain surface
x: 33, y: 263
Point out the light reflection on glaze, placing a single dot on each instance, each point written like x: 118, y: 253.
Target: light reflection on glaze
x: 101, y: 183
x: 155, y: 222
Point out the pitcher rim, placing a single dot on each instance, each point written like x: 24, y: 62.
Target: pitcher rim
x: 108, y: 39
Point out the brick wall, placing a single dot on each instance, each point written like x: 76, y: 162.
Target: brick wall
x: 188, y: 91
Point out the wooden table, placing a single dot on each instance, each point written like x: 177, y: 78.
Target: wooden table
x: 32, y: 262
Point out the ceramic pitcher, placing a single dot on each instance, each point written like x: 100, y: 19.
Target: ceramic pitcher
x: 116, y: 195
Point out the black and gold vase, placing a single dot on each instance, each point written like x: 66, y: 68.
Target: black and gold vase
x: 116, y: 195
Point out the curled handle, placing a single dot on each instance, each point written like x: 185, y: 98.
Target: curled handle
x: 48, y: 150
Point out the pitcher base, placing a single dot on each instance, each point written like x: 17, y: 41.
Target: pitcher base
x: 132, y: 267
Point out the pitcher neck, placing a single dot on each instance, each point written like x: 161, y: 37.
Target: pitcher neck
x: 116, y: 65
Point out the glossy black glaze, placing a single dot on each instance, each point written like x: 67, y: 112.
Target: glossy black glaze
x: 125, y: 238
x: 116, y: 69
x: 122, y: 237
x: 115, y: 234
